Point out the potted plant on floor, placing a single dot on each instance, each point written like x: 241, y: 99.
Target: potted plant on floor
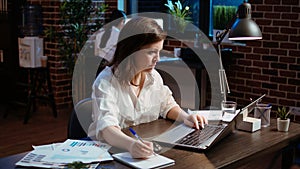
x: 283, y: 120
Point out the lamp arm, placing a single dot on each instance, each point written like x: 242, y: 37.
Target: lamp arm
x: 221, y: 35
x: 222, y: 75
x: 224, y: 86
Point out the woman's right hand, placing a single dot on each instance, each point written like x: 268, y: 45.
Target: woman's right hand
x: 138, y: 149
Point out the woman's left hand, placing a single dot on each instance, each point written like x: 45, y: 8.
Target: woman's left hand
x: 194, y: 120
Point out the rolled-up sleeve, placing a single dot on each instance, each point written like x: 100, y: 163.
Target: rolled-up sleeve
x: 168, y: 101
x: 105, y: 111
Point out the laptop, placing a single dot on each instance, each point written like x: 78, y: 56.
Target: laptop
x: 183, y: 136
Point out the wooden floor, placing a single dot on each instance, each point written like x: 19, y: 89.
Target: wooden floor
x: 42, y: 128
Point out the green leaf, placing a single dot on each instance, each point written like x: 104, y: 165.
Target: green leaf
x: 78, y: 20
x: 282, y: 113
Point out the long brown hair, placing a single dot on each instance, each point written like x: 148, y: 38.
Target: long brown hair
x: 136, y: 33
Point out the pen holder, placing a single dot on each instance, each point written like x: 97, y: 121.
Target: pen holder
x: 262, y: 111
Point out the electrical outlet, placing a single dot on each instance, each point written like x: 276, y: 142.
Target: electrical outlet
x: 295, y: 110
x: 1, y: 56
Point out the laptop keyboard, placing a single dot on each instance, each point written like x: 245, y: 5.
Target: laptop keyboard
x: 197, y: 137
x: 171, y: 136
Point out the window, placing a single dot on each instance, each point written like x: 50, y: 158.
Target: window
x: 212, y: 14
x: 221, y: 13
x: 205, y: 14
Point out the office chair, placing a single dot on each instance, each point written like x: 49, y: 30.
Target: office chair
x: 295, y: 111
x: 103, y: 63
x: 77, y: 129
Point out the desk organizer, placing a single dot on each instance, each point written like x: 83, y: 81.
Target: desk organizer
x: 246, y: 123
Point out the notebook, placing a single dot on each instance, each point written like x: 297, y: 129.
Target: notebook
x: 154, y: 161
x: 183, y: 136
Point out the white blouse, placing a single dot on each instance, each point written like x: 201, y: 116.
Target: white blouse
x: 118, y: 105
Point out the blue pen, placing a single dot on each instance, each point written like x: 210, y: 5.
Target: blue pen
x: 138, y: 137
x: 135, y: 135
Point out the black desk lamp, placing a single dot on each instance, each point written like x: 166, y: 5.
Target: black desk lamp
x: 241, y: 27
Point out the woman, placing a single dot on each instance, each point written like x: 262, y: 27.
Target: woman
x: 107, y: 38
x: 130, y: 91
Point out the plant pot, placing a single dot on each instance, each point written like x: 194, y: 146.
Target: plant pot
x: 180, y: 24
x: 283, y: 125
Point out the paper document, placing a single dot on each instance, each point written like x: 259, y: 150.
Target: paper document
x: 35, y: 158
x: 208, y: 114
x: 155, y: 161
x: 45, y: 156
x: 80, y: 150
x: 212, y: 115
x: 227, y: 117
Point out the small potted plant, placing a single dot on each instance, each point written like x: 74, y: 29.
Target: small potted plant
x: 283, y: 120
x: 180, y: 14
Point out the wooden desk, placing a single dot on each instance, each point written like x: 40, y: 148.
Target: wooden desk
x: 238, y: 150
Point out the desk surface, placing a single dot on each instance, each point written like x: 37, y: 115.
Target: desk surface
x: 235, y: 150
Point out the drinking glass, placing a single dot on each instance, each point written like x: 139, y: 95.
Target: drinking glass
x: 228, y: 107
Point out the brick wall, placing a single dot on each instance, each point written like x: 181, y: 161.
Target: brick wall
x: 61, y: 81
x: 271, y: 65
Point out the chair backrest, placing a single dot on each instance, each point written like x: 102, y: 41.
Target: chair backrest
x: 80, y: 119
x: 295, y: 111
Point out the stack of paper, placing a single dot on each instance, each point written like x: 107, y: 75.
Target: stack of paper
x: 60, y: 154
x: 215, y: 115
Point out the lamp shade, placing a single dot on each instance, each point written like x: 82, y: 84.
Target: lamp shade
x: 244, y: 28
